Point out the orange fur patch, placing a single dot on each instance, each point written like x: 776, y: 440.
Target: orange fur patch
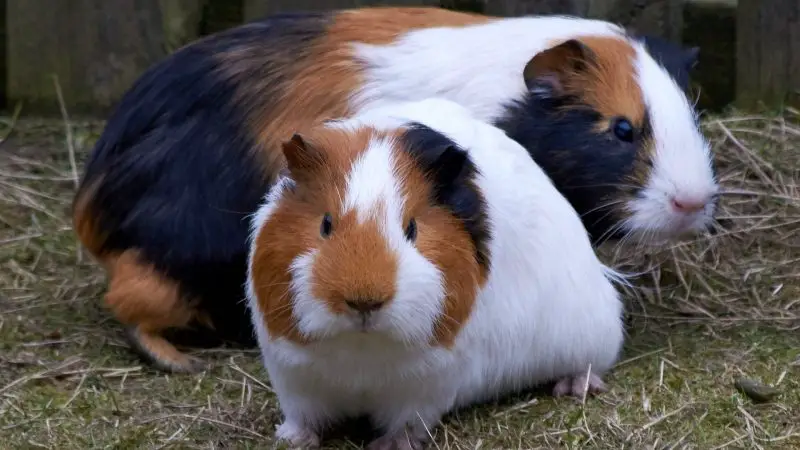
x: 140, y: 297
x: 609, y: 83
x: 85, y: 222
x: 321, y: 79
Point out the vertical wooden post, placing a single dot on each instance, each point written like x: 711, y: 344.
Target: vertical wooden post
x: 662, y: 18
x: 256, y: 9
x: 220, y: 15
x: 96, y: 48
x: 512, y: 8
x: 768, y: 53
x: 181, y: 20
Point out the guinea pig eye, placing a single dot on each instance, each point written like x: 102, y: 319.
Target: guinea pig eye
x: 327, y: 225
x: 411, y: 230
x: 623, y: 130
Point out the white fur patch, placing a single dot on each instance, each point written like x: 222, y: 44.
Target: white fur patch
x: 682, y: 164
x: 478, y: 66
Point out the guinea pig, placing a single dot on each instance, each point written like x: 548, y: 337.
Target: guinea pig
x: 196, y: 141
x: 414, y: 259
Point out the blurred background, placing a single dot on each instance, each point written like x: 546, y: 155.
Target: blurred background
x: 96, y: 48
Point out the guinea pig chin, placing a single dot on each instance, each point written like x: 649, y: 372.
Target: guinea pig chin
x: 409, y: 316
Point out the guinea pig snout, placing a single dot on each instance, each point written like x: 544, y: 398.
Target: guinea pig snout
x: 685, y: 204
x: 365, y: 305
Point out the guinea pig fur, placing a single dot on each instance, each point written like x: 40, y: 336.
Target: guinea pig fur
x: 196, y: 141
x: 415, y: 259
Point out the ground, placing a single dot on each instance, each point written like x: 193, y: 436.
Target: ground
x: 703, y: 314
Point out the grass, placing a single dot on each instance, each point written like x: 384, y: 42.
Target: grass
x: 704, y: 313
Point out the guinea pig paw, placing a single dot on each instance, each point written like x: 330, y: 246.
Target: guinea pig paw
x: 297, y: 435
x: 397, y: 441
x: 575, y: 386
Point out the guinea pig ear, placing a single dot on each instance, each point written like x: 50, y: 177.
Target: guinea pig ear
x: 300, y: 155
x: 449, y: 165
x: 551, y: 68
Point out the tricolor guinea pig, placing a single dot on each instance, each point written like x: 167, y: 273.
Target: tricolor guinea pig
x: 194, y: 143
x: 412, y: 260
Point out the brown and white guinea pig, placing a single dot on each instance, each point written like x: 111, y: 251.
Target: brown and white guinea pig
x: 415, y: 259
x: 194, y: 143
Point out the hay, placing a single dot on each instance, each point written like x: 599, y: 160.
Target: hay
x: 703, y: 313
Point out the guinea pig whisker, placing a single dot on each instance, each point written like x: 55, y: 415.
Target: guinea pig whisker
x: 598, y: 185
x: 610, y: 232
x: 602, y: 206
x: 281, y: 283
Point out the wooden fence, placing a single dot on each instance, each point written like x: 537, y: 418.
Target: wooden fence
x: 97, y: 48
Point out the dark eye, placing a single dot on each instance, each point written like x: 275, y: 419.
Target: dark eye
x: 411, y: 230
x: 623, y: 130
x: 327, y: 225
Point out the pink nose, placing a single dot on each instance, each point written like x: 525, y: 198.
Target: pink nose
x: 688, y: 205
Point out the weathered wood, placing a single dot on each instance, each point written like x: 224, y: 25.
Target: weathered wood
x: 711, y: 25
x: 512, y: 8
x: 97, y: 49
x: 181, y: 20
x: 663, y: 18
x: 478, y: 6
x: 220, y: 15
x: 3, y: 59
x: 768, y: 53
x: 256, y: 9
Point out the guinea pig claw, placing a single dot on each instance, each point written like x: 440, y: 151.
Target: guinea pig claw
x: 575, y: 386
x: 297, y: 435
x: 398, y: 441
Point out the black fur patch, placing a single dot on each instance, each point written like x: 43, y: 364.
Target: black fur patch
x: 179, y: 171
x: 587, y: 167
x: 453, y: 174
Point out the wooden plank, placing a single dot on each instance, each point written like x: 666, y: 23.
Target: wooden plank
x: 663, y: 18
x: 256, y: 9
x: 768, y: 53
x: 512, y: 8
x: 220, y: 15
x: 97, y: 48
x: 181, y: 20
x: 711, y: 25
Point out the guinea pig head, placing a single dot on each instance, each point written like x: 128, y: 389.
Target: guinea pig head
x: 608, y: 118
x: 370, y: 233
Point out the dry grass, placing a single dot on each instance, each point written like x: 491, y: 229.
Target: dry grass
x: 705, y: 313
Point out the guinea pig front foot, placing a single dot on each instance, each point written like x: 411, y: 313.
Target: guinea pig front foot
x: 576, y: 386
x: 297, y: 435
x: 397, y: 441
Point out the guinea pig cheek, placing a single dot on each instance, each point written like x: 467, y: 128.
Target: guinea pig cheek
x: 445, y: 243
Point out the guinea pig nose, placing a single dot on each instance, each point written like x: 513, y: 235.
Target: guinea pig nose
x: 688, y: 205
x: 365, y: 306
